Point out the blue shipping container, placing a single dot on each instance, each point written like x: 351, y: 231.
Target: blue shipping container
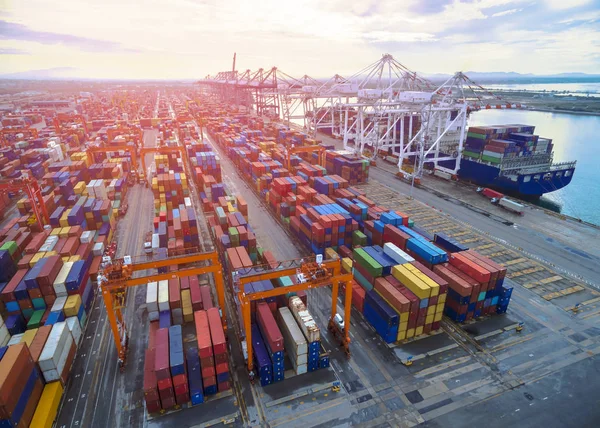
x: 176, y: 358
x: 194, y: 376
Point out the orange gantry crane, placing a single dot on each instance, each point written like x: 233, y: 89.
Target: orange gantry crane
x: 312, y: 275
x: 61, y: 118
x: 305, y: 149
x: 116, y: 276
x: 27, y: 133
x: 32, y: 188
x: 112, y: 149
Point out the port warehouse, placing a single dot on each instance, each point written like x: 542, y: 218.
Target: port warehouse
x: 180, y: 302
x: 376, y: 245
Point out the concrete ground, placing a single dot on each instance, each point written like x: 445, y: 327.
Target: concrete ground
x: 484, y: 371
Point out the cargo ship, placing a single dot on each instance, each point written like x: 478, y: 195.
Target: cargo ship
x: 513, y: 160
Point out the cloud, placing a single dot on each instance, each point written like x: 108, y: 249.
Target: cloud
x: 14, y: 31
x: 12, y: 51
x: 398, y: 36
x: 506, y: 12
x: 565, y: 4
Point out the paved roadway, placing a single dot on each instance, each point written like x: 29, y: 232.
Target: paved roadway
x: 572, y: 258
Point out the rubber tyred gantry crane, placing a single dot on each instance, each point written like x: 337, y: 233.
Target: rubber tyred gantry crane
x: 306, y: 149
x: 116, y: 276
x: 32, y: 188
x: 314, y: 275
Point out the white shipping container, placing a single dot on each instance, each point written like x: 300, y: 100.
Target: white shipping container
x: 49, y: 243
x: 396, y: 254
x: 289, y: 328
x: 4, y: 335
x: 511, y: 205
x: 305, y: 320
x: 188, y: 201
x: 98, y: 249
x: 301, y: 368
x: 59, y: 304
x: 54, y: 347
x: 152, y: 296
x: 163, y: 295
x: 53, y: 374
x: 59, y: 282
x: 15, y: 339
x: 90, y: 189
x: 75, y: 329
x: 86, y: 236
x: 155, y: 241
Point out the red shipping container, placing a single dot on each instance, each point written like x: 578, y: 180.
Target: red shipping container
x: 392, y: 295
x: 95, y: 267
x: 209, y: 381
x: 205, y: 348
x: 217, y: 334
x: 150, y: 381
x: 174, y: 294
x: 469, y: 267
x: 154, y: 325
x: 195, y: 293
x: 455, y: 281
x: 208, y: 371
x: 153, y: 406
x: 185, y: 283
x: 68, y: 364
x: 60, y: 244
x: 358, y: 296
x: 161, y: 356
x: 180, y: 384
x: 24, y: 262
x: 207, y: 302
x: 436, y: 278
x: 71, y: 246
x: 269, y: 328
x: 222, y: 367
x: 8, y: 294
x: 224, y: 386
x: 244, y: 257
x: 233, y: 258
x: 49, y: 271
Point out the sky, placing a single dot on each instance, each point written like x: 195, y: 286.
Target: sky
x: 186, y: 39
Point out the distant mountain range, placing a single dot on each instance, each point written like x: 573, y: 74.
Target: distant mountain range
x: 69, y: 73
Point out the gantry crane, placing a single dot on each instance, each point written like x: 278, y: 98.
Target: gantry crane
x: 116, y: 276
x: 121, y: 128
x: 27, y: 132
x: 311, y: 274
x: 112, y: 149
x: 306, y: 149
x: 60, y: 118
x: 32, y: 188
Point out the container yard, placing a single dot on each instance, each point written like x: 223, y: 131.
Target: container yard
x: 182, y: 259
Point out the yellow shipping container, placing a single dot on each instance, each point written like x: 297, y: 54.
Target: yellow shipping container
x: 435, y: 287
x: 429, y: 319
x: 55, y: 231
x: 63, y: 219
x: 230, y: 207
x: 79, y: 188
x: 28, y: 336
x: 411, y: 281
x: 72, y: 305
x: 404, y: 316
x: 410, y: 333
x: 65, y: 259
x: 439, y: 307
x: 442, y: 298
x: 331, y: 254
x: 47, y: 407
x: 347, y: 264
x: 74, y: 259
x: 36, y: 257
x: 403, y: 326
x: 431, y: 310
x: 64, y: 232
x: 438, y: 316
x: 401, y: 336
x: 419, y: 331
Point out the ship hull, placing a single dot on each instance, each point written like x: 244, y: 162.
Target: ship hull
x: 528, y: 186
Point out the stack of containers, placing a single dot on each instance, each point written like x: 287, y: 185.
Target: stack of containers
x: 163, y: 304
x: 309, y: 328
x: 152, y: 300
x: 205, y: 352
x: 177, y: 364
x: 219, y: 344
x: 58, y: 354
x: 162, y: 369
x: 295, y: 342
x: 273, y: 339
x: 20, y: 386
x: 194, y: 372
x: 261, y: 356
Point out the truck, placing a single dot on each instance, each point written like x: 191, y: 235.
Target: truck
x: 490, y: 193
x: 510, y: 205
x: 148, y: 243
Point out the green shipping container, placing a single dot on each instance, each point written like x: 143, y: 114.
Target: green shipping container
x: 491, y: 159
x: 359, y: 238
x: 10, y: 246
x: 474, y: 135
x: 34, y: 321
x: 367, y: 262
